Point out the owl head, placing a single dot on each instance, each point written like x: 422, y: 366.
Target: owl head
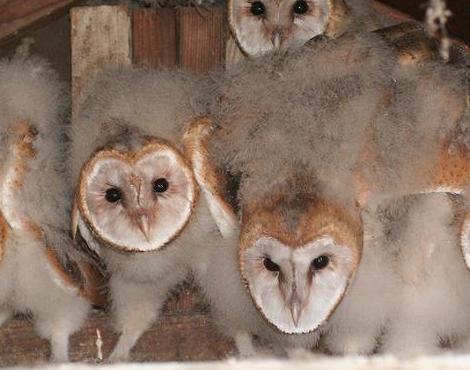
x: 134, y: 189
x: 297, y: 253
x: 136, y: 199
x: 297, y: 260
x: 261, y: 26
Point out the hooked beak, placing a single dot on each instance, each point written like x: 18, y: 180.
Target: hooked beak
x: 276, y: 39
x: 295, y: 308
x: 296, y: 295
x: 144, y: 226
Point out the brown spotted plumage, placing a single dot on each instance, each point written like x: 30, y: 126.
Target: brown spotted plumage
x: 34, y: 203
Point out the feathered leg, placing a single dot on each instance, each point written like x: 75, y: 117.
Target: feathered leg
x: 244, y: 344
x: 59, y: 322
x: 353, y: 340
x: 411, y: 339
x: 135, y: 308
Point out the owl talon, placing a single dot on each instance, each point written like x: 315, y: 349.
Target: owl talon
x: 59, y: 348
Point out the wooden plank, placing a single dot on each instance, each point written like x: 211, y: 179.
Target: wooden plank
x: 458, y: 24
x: 17, y: 15
x: 201, y: 38
x: 181, y: 334
x: 100, y: 36
x: 154, y: 41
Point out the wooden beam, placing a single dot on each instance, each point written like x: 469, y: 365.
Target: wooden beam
x: 458, y: 24
x: 17, y: 15
x: 154, y: 39
x: 100, y: 37
x: 201, y: 38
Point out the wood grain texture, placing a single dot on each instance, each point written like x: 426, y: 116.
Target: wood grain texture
x: 201, y: 38
x: 100, y: 36
x: 183, y: 333
x: 154, y: 39
x: 17, y: 15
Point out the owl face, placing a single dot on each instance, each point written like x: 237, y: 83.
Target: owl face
x: 298, y: 269
x: 262, y: 26
x: 137, y: 201
x: 297, y: 253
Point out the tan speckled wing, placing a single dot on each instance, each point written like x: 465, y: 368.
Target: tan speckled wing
x: 411, y: 42
x: 86, y: 281
x: 195, y: 141
x: 338, y: 19
x: 414, y: 47
x: 21, y: 152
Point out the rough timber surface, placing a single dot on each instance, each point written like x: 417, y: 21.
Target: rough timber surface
x: 154, y: 37
x: 201, y: 38
x: 100, y: 36
x: 183, y: 333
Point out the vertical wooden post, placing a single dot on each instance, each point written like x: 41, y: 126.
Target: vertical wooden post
x: 154, y: 39
x: 100, y: 36
x: 201, y: 38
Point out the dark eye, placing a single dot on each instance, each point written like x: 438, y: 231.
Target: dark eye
x: 160, y: 185
x: 300, y: 7
x: 320, y: 263
x: 270, y: 265
x: 257, y: 8
x: 113, y: 195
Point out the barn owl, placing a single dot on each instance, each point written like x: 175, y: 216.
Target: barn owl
x: 415, y: 283
x: 288, y: 261
x: 300, y: 153
x: 263, y: 26
x: 137, y: 204
x: 434, y: 300
x: 36, y: 253
x: 398, y: 321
